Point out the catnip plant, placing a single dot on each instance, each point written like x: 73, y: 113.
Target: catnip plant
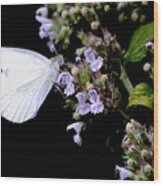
x: 97, y: 65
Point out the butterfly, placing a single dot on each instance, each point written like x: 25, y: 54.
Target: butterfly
x: 26, y: 79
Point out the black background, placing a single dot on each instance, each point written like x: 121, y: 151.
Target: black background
x: 41, y: 147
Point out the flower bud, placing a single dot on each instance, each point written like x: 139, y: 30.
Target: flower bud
x: 126, y: 142
x: 89, y: 86
x: 144, y: 3
x: 147, y: 67
x: 122, y: 17
x: 104, y: 77
x: 147, y: 168
x: 121, y: 5
x: 65, y: 14
x: 132, y: 149
x: 106, y: 8
x: 72, y: 10
x: 130, y: 162
x: 144, y: 153
x: 60, y: 8
x: 149, y: 45
x: 142, y: 18
x: 76, y: 116
x: 55, y: 14
x: 76, y: 9
x: 78, y: 59
x: 95, y: 25
x: 84, y: 11
x: 74, y: 70
x: 134, y: 16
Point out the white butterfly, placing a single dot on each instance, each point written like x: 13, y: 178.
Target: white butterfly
x: 26, y: 79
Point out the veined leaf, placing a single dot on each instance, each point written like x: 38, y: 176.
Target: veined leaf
x: 141, y: 95
x: 137, y: 49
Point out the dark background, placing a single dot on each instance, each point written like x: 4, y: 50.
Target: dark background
x: 41, y: 147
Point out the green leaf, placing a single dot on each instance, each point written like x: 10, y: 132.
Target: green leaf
x: 141, y: 95
x: 80, y: 51
x: 137, y: 49
x: 83, y: 38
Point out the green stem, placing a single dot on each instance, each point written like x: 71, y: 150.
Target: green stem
x: 125, y: 79
x: 127, y: 118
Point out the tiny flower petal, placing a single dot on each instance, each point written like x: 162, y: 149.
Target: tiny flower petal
x: 77, y: 139
x: 64, y: 78
x: 97, y: 64
x: 77, y: 127
x: 97, y: 108
x: 81, y: 97
x: 43, y: 20
x: 51, y: 35
x: 43, y: 34
x: 42, y: 11
x: 89, y: 55
x: 51, y: 46
x: 78, y: 59
x: 70, y: 89
x: 94, y: 97
x: 83, y: 109
x: 123, y: 173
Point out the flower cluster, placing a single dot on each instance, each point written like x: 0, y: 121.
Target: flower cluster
x: 96, y: 69
x: 45, y: 30
x: 138, y: 148
x: 87, y: 89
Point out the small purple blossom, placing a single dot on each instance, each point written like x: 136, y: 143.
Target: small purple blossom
x: 51, y: 46
x: 81, y: 97
x: 77, y: 127
x: 70, y: 89
x: 83, y: 108
x: 93, y: 96
x: 95, y: 63
x: 123, y: 173
x: 65, y: 79
x: 42, y: 11
x: 78, y: 59
x: 45, y: 28
x: 97, y: 106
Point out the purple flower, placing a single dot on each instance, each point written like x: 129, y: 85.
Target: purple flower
x: 70, y: 89
x: 78, y: 59
x: 42, y: 11
x: 81, y: 97
x: 89, y: 55
x: 42, y: 14
x: 123, y: 173
x: 43, y: 20
x: 93, y: 96
x: 45, y: 28
x: 96, y: 106
x: 83, y: 108
x: 77, y: 127
x: 95, y: 63
x: 51, y: 46
x: 65, y: 79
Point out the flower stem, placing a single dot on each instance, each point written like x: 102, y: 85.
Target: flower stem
x: 125, y: 79
x: 127, y: 118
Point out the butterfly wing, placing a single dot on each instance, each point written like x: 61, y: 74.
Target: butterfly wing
x: 26, y: 79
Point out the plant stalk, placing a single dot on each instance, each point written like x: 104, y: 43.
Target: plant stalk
x: 125, y: 79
